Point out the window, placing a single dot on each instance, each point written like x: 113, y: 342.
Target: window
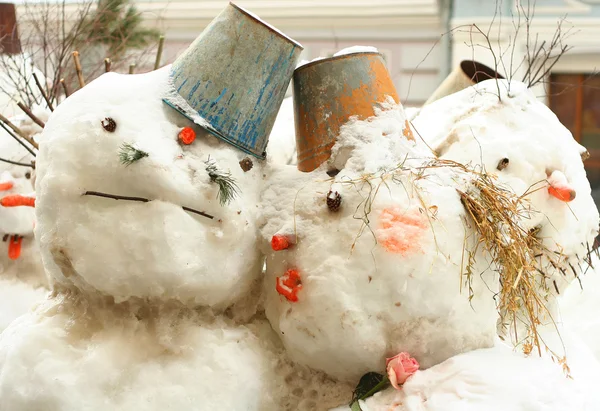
x: 575, y: 99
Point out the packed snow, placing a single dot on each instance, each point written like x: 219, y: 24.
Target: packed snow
x: 356, y: 49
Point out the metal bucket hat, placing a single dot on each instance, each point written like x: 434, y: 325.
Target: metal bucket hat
x: 328, y: 92
x: 232, y: 79
x: 466, y: 74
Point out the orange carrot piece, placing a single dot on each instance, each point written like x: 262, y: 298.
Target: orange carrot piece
x: 279, y: 242
x: 14, y: 247
x: 16, y: 200
x: 6, y: 186
x: 565, y: 194
x: 289, y: 284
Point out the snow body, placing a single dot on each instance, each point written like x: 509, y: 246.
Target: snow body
x: 579, y: 306
x: 153, y: 249
x: 73, y: 354
x: 371, y: 292
x: 475, y: 126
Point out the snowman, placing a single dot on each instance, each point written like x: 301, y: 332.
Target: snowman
x: 147, y: 225
x: 22, y: 278
x: 365, y: 252
x: 519, y: 139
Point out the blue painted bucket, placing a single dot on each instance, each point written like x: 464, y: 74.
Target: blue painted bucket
x: 232, y: 79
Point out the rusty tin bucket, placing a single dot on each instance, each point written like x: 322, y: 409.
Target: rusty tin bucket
x: 466, y: 74
x: 328, y: 92
x: 232, y: 79
x: 9, y: 36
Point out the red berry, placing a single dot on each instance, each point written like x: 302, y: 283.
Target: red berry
x: 289, y: 284
x: 14, y: 247
x: 187, y: 135
x: 279, y: 242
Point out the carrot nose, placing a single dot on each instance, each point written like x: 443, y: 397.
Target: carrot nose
x: 560, y: 187
x: 17, y: 200
x: 563, y: 193
x: 14, y: 247
x: 6, y: 186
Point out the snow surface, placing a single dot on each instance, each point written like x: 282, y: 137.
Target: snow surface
x: 361, y: 301
x: 579, y: 306
x: 72, y: 355
x: 497, y: 379
x: 148, y: 250
x: 17, y: 298
x: 356, y: 49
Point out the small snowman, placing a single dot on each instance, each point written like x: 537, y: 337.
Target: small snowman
x: 366, y: 248
x: 518, y: 138
x: 22, y: 278
x: 147, y: 225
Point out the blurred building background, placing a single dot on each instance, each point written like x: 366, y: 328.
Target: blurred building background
x: 410, y: 34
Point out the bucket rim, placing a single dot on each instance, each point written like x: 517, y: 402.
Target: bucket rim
x: 212, y: 130
x: 478, y: 72
x: 273, y: 29
x: 342, y: 57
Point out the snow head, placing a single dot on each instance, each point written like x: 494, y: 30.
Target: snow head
x: 502, y: 127
x: 178, y: 238
x: 368, y: 262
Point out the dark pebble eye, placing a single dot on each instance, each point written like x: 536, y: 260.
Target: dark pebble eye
x: 28, y: 175
x: 502, y: 164
x: 109, y: 124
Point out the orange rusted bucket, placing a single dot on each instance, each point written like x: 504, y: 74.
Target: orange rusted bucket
x: 328, y: 92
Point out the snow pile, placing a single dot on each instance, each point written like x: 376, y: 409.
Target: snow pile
x: 73, y: 355
x: 17, y: 298
x: 497, y: 379
x: 356, y: 49
x: 368, y: 292
x: 153, y: 249
x: 579, y: 306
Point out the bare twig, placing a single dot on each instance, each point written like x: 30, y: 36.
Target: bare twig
x: 16, y: 163
x: 65, y: 88
x: 161, y: 42
x: 143, y: 200
x: 10, y: 133
x: 44, y: 95
x: 78, y: 69
x: 107, y: 64
x: 32, y: 116
x: 17, y: 130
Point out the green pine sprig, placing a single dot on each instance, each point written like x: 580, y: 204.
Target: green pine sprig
x: 369, y: 384
x: 128, y: 154
x: 228, y: 188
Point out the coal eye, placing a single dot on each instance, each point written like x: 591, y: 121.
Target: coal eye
x: 502, y: 164
x: 28, y: 175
